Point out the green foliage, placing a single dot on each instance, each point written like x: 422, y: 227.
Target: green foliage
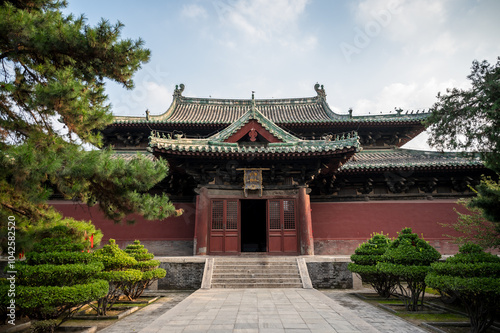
x: 53, y: 68
x: 468, y: 119
x: 474, y: 228
x: 113, y: 257
x: 32, y: 299
x: 56, y: 275
x: 154, y: 274
x: 117, y: 271
x: 43, y: 326
x: 58, y: 258
x: 54, y: 284
x: 365, y: 258
x: 408, y: 259
x: 488, y: 201
x: 129, y: 275
x: 149, y: 268
x: 474, y: 277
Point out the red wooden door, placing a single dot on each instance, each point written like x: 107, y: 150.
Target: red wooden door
x: 282, y: 228
x: 224, y: 227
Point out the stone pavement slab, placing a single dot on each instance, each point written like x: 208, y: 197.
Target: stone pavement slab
x: 275, y: 310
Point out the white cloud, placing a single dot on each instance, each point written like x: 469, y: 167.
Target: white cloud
x: 194, y: 11
x: 247, y: 23
x: 261, y: 19
x: 148, y: 95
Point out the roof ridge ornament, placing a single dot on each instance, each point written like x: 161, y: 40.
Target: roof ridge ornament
x: 178, y: 90
x: 253, y: 104
x: 320, y: 90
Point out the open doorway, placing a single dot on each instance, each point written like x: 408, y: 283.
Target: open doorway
x: 253, y: 225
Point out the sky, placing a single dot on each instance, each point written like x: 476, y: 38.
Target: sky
x: 371, y: 55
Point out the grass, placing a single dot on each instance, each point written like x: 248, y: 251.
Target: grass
x: 391, y: 301
x: 432, y: 317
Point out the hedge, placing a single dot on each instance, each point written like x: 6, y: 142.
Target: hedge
x: 28, y: 298
x: 58, y: 258
x: 473, y: 276
x: 56, y: 275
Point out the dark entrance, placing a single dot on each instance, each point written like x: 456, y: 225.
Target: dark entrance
x: 253, y: 226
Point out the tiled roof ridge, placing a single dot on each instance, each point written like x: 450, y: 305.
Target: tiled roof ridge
x: 248, y: 102
x: 315, y: 109
x: 377, y: 159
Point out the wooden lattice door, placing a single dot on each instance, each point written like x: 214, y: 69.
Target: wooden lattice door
x: 224, y: 226
x: 282, y: 226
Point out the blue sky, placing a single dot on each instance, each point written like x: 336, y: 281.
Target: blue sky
x: 371, y: 55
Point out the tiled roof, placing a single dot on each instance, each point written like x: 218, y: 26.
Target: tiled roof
x: 290, y: 144
x: 402, y: 158
x: 313, y: 110
x: 302, y: 146
x: 129, y: 156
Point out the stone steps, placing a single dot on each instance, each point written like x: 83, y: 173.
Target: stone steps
x: 256, y: 273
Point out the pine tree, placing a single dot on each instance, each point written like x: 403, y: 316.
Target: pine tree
x: 53, y: 69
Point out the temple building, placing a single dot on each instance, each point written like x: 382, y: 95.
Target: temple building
x: 286, y: 177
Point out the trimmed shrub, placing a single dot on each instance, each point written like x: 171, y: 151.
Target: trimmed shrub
x: 117, y: 271
x: 148, y: 267
x: 55, y: 280
x: 365, y: 259
x: 473, y: 276
x: 408, y: 259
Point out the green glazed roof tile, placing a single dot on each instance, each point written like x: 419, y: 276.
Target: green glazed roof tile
x: 402, y: 158
x: 188, y: 110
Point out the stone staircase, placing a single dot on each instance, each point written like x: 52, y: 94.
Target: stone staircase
x: 256, y: 273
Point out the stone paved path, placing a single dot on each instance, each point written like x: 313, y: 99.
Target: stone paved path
x: 274, y: 310
x: 145, y: 316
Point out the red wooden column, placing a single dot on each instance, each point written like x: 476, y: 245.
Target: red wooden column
x: 305, y: 223
x: 201, y: 223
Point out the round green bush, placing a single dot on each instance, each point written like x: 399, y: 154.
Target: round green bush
x: 408, y: 259
x: 364, y: 261
x: 473, y: 276
x: 149, y: 269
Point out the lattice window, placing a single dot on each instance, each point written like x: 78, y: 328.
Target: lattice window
x: 274, y: 215
x: 217, y: 214
x: 232, y: 215
x: 288, y: 214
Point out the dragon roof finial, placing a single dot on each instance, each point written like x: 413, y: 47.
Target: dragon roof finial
x: 178, y: 90
x: 320, y: 90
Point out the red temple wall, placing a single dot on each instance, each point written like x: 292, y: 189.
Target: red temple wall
x: 172, y: 236
x: 338, y: 227
x: 341, y: 226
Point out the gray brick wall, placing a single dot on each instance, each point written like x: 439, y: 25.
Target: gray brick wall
x: 182, y: 275
x: 330, y: 275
